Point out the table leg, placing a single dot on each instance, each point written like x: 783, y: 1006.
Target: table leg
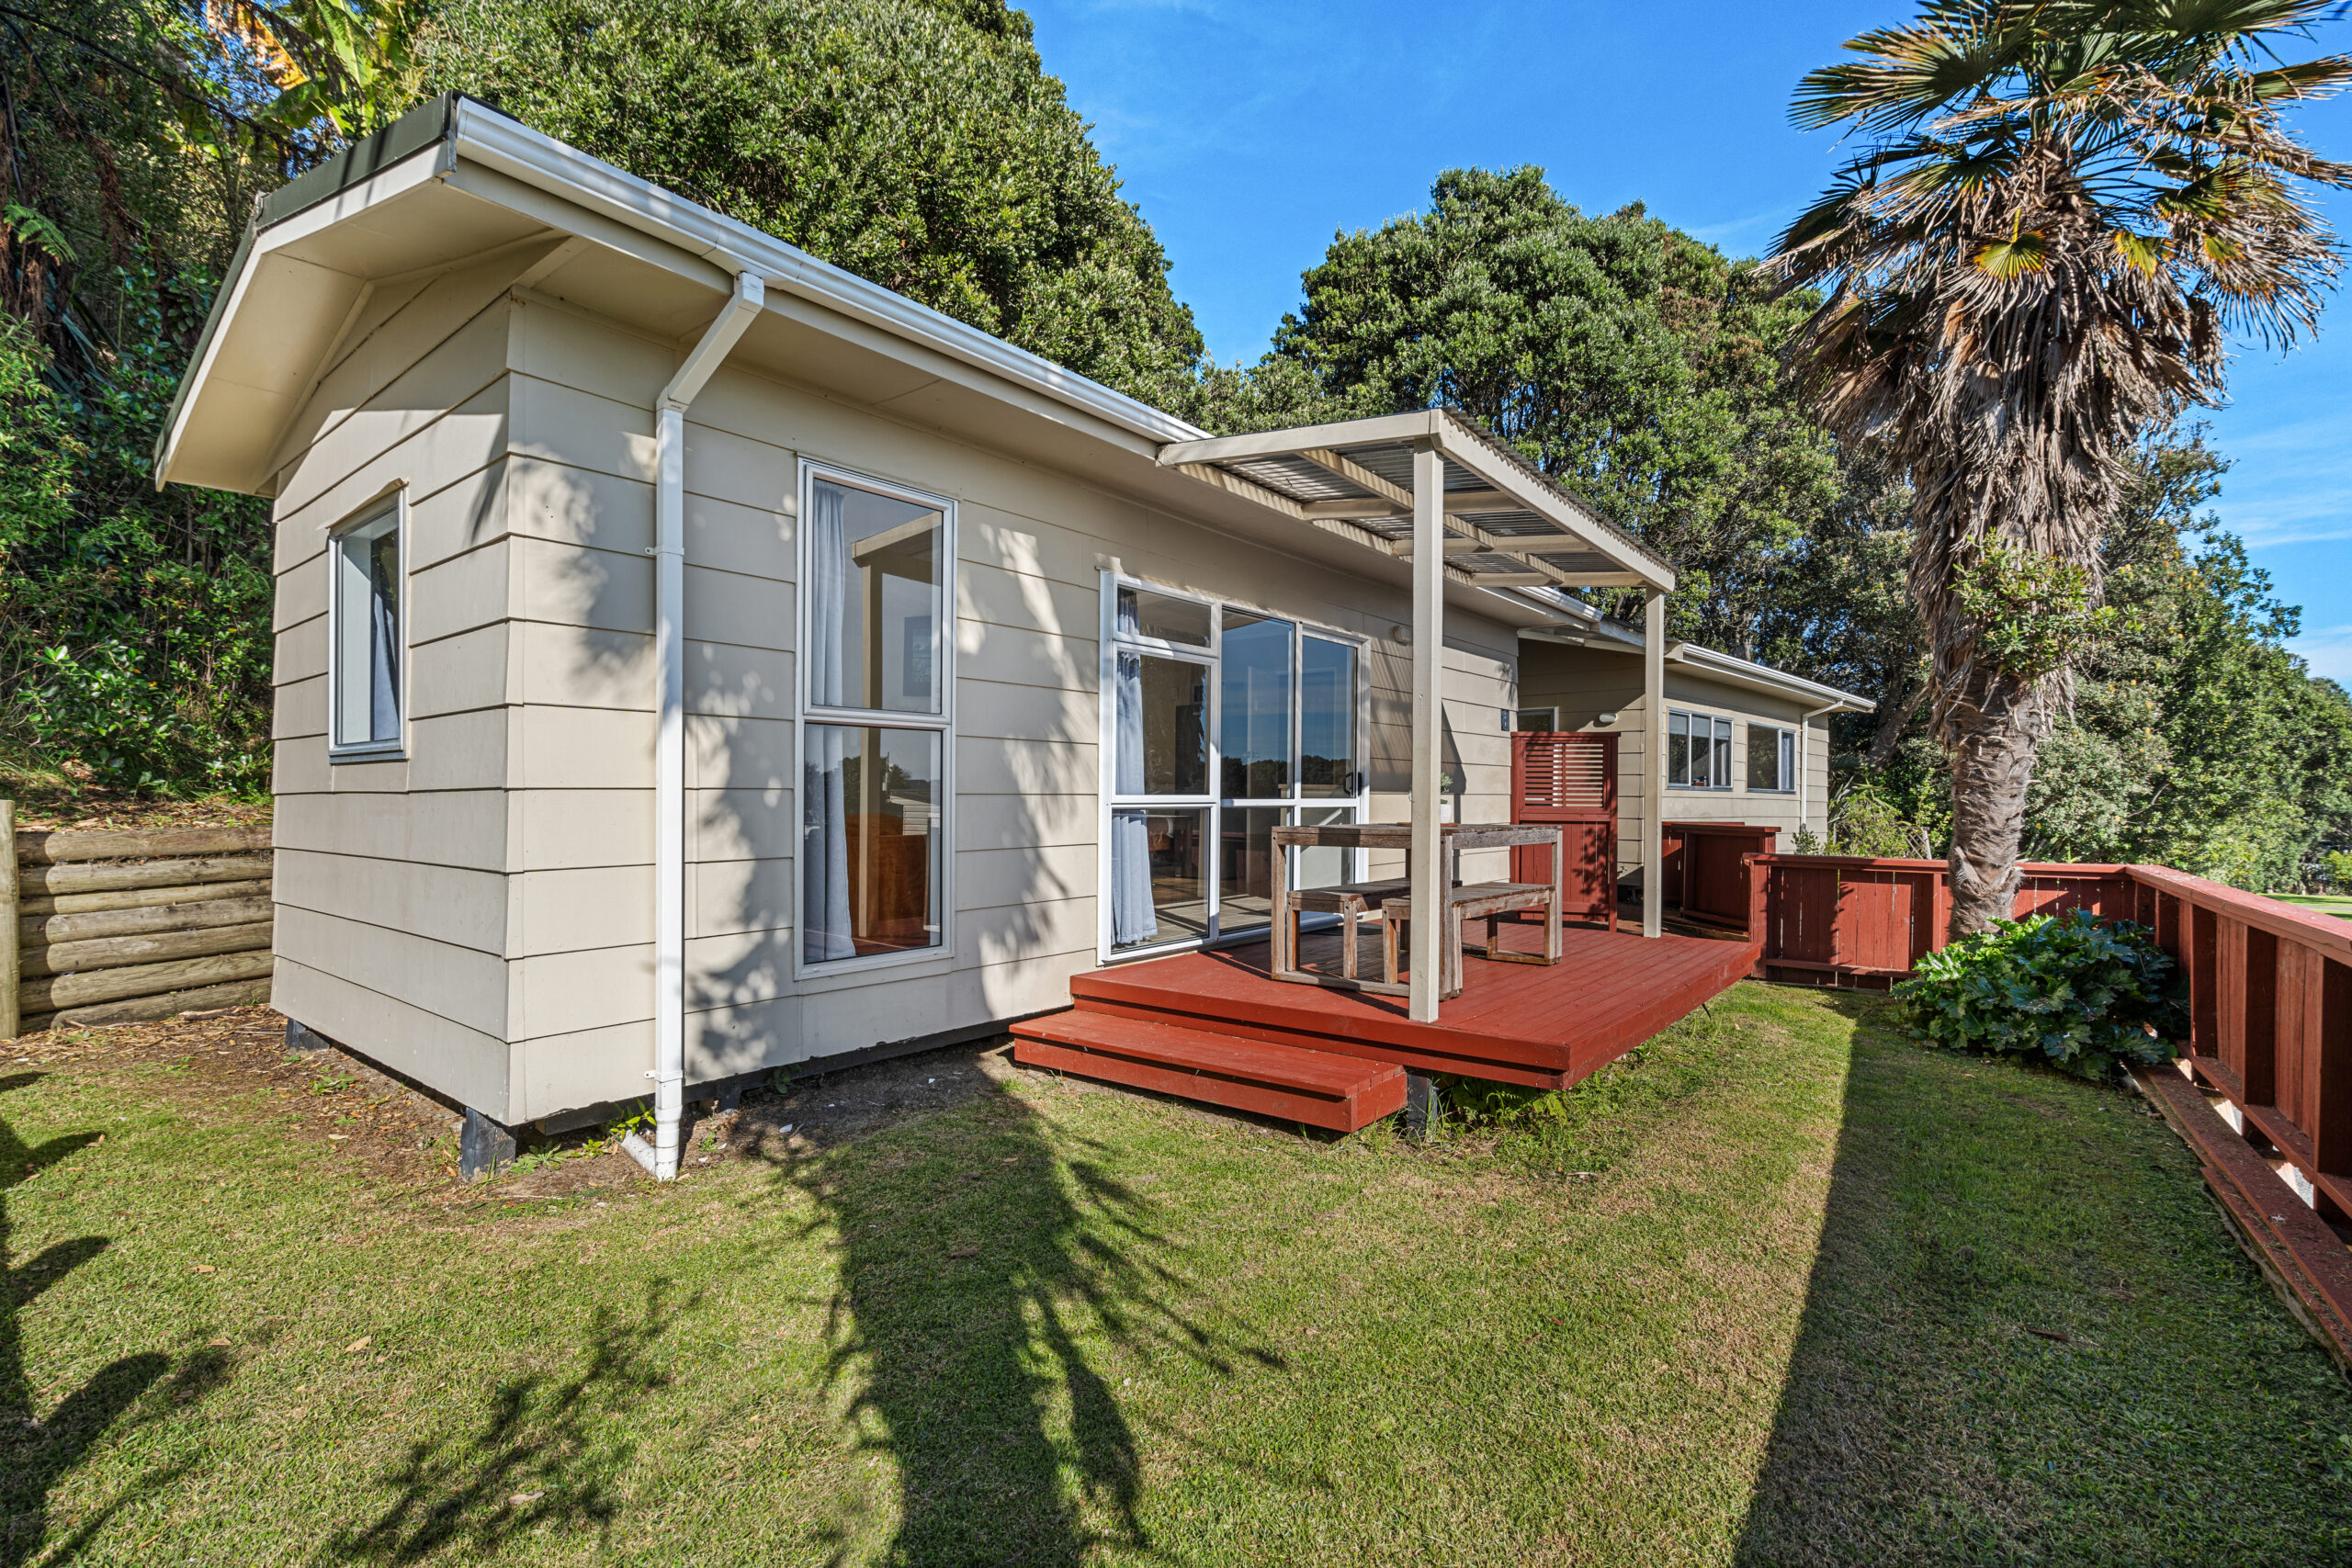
x: 1283, y: 938
x: 1559, y: 885
x: 1348, y: 935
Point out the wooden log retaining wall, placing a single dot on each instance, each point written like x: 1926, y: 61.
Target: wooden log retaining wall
x: 113, y: 927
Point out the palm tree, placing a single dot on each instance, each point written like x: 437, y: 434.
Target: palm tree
x: 2066, y: 210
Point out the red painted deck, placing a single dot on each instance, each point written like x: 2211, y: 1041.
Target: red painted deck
x: 1545, y: 1027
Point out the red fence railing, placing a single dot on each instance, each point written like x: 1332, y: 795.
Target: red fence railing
x: 2271, y: 1016
x: 1865, y: 922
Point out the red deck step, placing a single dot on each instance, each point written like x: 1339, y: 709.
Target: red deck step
x: 1317, y: 1088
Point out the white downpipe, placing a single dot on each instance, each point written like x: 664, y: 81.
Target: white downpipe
x: 669, y: 1074
x: 1804, y: 756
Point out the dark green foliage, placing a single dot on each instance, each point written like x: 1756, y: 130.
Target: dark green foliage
x: 134, y: 626
x: 1618, y: 354
x: 2086, y: 995
x: 922, y: 146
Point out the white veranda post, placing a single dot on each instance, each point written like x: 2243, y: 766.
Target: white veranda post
x: 1653, y: 764
x: 1429, y: 889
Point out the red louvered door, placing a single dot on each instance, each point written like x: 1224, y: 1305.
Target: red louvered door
x: 1569, y: 778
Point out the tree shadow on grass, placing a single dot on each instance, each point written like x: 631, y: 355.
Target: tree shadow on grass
x: 2027, y: 1336
x: 39, y: 1451
x: 989, y: 1280
x: 545, y: 1457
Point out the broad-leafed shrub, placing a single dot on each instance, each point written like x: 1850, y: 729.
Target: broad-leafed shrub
x: 2088, y: 996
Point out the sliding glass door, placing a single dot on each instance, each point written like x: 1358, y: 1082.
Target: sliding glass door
x: 1221, y: 722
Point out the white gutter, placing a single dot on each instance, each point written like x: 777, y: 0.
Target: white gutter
x: 669, y: 1074
x: 1805, y: 748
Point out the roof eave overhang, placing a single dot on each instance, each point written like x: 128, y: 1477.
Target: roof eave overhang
x: 499, y: 159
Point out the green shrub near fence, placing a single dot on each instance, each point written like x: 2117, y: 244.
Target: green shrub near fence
x: 2088, y: 996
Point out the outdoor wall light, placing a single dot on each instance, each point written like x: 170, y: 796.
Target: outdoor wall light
x: 1605, y: 720
x: 1401, y: 633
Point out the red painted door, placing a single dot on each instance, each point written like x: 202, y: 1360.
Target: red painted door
x: 1569, y: 778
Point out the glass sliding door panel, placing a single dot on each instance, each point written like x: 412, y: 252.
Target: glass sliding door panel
x: 1255, y: 691
x: 876, y: 601
x: 1327, y: 717
x: 1245, y: 866
x: 1321, y: 867
x: 1156, y: 891
x: 869, y: 866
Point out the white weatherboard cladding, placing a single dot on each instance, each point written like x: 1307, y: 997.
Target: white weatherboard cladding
x: 530, y: 759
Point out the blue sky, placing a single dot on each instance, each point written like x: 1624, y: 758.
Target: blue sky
x: 1249, y: 133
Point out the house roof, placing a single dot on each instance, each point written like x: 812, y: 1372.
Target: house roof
x: 1611, y: 635
x: 456, y: 180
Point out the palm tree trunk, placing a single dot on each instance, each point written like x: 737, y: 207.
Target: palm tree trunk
x: 1995, y: 731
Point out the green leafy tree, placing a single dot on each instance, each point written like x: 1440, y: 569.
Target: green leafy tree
x: 2064, y: 208
x: 1621, y: 356
x: 922, y: 146
x: 2196, y: 738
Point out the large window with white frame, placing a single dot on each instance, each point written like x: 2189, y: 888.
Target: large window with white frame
x: 1221, y: 723
x: 876, y: 655
x: 1771, y: 760
x: 367, y: 644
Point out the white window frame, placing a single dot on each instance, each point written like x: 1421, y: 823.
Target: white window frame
x: 1214, y: 802
x: 942, y: 722
x: 396, y: 748
x: 1732, y: 764
x: 1789, y: 752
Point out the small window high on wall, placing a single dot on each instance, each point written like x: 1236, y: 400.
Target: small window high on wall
x: 366, y: 651
x: 875, y: 738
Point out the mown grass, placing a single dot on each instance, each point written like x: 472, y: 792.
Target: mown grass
x: 1766, y: 1295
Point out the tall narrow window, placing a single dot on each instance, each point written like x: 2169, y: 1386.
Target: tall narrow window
x: 875, y: 580
x: 364, y: 670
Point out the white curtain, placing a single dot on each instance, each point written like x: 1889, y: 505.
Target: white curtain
x: 1132, y: 919
x: 384, y: 638
x: 824, y: 811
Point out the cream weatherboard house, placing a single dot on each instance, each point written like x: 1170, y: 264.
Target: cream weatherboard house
x: 693, y: 658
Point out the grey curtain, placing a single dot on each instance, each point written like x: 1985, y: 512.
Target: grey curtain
x: 1132, y: 918
x: 825, y: 808
x: 384, y: 636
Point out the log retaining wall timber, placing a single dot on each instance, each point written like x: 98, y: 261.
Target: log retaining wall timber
x: 119, y: 927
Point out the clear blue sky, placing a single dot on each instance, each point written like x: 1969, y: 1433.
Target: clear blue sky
x: 1250, y: 133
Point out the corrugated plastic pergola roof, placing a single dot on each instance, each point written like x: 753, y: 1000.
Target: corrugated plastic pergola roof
x: 1507, y: 525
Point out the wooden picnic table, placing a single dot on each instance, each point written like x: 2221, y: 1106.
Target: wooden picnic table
x: 1351, y: 901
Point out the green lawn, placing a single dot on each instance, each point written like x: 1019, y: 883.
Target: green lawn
x: 1768, y: 1295
x: 2330, y: 903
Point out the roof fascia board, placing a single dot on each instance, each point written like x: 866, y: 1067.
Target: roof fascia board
x: 420, y: 167
x: 1729, y: 667
x: 1472, y: 454
x: 1300, y: 439
x: 515, y: 150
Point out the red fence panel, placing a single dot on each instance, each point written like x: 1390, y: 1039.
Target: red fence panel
x: 1569, y: 778
x: 1860, y: 920
x: 1706, y: 871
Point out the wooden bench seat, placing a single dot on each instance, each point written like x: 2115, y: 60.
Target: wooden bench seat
x: 1348, y: 900
x: 1487, y: 901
